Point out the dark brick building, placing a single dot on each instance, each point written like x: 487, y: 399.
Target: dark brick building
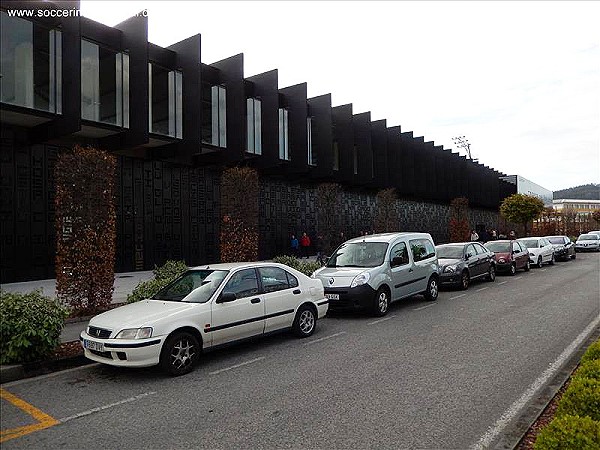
x: 174, y: 124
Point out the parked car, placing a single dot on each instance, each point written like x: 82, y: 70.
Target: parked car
x: 374, y: 270
x: 206, y: 307
x: 510, y: 255
x: 540, y: 250
x: 462, y: 262
x: 563, y: 247
x: 594, y: 232
x: 589, y: 242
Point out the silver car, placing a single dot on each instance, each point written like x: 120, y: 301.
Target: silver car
x: 373, y: 271
x: 588, y: 243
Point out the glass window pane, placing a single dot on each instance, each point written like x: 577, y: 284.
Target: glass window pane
x: 125, y: 90
x: 215, y: 115
x: 90, y: 85
x: 257, y: 127
x: 222, y: 117
x: 16, y: 64
x: 179, y: 104
x: 281, y: 140
x: 250, y: 124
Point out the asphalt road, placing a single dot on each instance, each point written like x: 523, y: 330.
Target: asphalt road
x: 429, y: 375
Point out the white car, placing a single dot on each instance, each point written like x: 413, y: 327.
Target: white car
x: 589, y: 242
x: 540, y: 250
x: 204, y: 308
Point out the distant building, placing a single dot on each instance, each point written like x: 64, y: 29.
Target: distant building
x: 525, y: 186
x: 581, y: 207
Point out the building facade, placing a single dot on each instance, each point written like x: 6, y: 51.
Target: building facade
x: 527, y: 187
x: 174, y: 124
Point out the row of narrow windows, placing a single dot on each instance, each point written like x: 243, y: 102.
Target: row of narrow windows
x: 31, y: 67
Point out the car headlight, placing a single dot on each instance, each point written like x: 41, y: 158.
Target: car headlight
x: 135, y: 333
x: 450, y: 269
x: 360, y: 279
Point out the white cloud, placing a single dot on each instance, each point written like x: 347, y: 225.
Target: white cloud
x: 520, y: 79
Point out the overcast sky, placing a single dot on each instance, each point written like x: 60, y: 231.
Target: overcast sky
x: 521, y: 80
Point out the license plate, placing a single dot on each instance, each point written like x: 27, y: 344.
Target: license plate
x: 332, y: 296
x: 91, y: 345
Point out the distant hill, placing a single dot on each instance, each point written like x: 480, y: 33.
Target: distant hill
x: 583, y: 192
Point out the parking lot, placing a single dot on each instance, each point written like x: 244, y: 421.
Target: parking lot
x: 448, y: 374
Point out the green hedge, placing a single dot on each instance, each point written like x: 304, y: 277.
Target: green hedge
x: 576, y: 425
x: 163, y: 275
x: 569, y: 433
x: 30, y: 326
x: 306, y: 267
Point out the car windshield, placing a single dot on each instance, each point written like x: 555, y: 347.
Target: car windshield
x: 450, y: 251
x: 195, y: 286
x: 498, y: 247
x: 359, y: 254
x: 530, y: 243
x: 588, y: 237
x: 556, y: 240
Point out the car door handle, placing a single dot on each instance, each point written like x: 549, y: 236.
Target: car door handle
x: 255, y: 300
x: 297, y: 291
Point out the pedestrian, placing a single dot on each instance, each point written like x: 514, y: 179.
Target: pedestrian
x: 474, y: 236
x: 305, y: 244
x: 512, y: 234
x: 294, y: 245
x: 319, y: 249
x: 342, y: 237
x: 494, y: 235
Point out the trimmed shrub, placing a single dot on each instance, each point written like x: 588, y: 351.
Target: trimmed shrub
x: 30, y: 326
x: 163, y: 275
x: 589, y: 369
x: 85, y: 227
x: 306, y: 267
x: 569, y: 433
x: 581, y: 398
x: 592, y: 353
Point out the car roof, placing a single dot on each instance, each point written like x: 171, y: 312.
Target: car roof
x: 387, y: 237
x: 529, y: 237
x: 454, y: 244
x: 501, y: 240
x: 237, y: 265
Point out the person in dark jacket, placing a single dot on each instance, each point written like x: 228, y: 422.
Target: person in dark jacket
x: 294, y: 244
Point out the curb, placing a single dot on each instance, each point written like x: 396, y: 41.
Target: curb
x: 16, y: 372
x: 514, y: 433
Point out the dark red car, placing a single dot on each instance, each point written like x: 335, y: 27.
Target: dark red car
x: 510, y: 255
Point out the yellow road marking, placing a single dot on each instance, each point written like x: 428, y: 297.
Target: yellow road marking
x: 44, y: 420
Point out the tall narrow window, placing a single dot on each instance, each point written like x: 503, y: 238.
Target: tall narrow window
x: 253, y: 126
x: 336, y: 156
x: 214, y: 115
x: 102, y: 85
x: 312, y: 157
x: 165, y: 101
x: 355, y: 160
x: 284, y: 151
x: 31, y: 65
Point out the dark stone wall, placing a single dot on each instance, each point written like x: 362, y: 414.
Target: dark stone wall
x: 167, y: 211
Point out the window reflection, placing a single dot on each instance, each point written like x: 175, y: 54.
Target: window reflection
x: 284, y: 150
x: 104, y: 91
x: 30, y: 64
x: 165, y: 100
x: 214, y: 115
x: 253, y: 125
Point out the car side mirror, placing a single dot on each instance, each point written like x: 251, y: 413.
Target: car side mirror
x: 467, y: 256
x: 226, y: 297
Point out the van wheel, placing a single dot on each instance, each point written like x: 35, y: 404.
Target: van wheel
x: 382, y: 302
x: 433, y: 289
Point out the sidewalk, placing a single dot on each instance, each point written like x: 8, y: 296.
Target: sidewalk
x: 124, y: 284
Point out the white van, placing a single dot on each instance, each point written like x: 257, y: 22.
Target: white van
x: 373, y: 271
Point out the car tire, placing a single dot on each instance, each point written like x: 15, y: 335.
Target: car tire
x: 433, y: 289
x: 539, y: 262
x: 551, y: 260
x: 305, y: 322
x: 179, y: 353
x: 464, y: 280
x: 491, y: 276
x: 574, y: 256
x: 513, y: 269
x: 527, y: 266
x: 382, y: 302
